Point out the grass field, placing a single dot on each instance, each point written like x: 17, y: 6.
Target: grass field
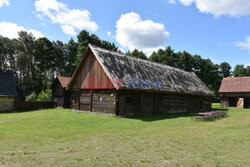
x: 58, y: 137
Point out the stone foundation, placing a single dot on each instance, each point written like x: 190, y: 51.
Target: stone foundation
x: 6, y: 103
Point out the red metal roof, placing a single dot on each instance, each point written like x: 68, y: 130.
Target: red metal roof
x: 64, y: 81
x: 236, y: 84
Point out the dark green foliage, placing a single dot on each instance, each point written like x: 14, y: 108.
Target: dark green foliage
x: 138, y: 54
x: 241, y: 71
x: 45, y: 95
x: 225, y: 69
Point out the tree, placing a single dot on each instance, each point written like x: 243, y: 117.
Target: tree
x: 225, y: 69
x: 84, y: 38
x: 240, y: 71
x: 166, y: 56
x: 70, y: 57
x: 26, y: 60
x: 138, y: 54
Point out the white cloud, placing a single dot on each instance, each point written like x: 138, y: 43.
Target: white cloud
x: 220, y: 7
x: 244, y: 45
x: 69, y: 19
x: 10, y: 30
x: 133, y: 32
x: 4, y: 2
x: 109, y: 33
x: 68, y: 29
x: 149, y: 51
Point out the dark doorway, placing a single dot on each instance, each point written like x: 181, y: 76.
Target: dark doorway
x: 233, y: 102
x: 246, y: 103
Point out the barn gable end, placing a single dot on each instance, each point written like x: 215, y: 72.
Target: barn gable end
x: 91, y: 75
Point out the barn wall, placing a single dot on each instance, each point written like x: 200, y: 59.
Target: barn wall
x: 104, y: 101
x: 240, y: 99
x: 92, y: 76
x: 94, y: 100
x: 6, y: 103
x: 224, y: 102
x: 58, y: 94
x: 145, y: 103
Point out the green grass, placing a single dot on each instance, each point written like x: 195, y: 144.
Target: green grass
x: 58, y: 137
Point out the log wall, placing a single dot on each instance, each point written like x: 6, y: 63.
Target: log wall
x: 240, y: 99
x: 94, y: 100
x: 142, y: 103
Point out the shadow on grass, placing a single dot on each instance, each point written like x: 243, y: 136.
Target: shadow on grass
x: 22, y: 111
x: 151, y: 118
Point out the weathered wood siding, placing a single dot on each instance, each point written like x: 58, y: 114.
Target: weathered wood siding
x: 85, y: 100
x: 104, y: 101
x: 59, y: 101
x: 92, y: 75
x: 224, y: 102
x: 239, y: 94
x: 60, y: 95
x: 94, y: 100
x: 142, y: 103
x: 75, y: 100
x: 240, y: 99
x: 206, y: 103
x: 57, y: 90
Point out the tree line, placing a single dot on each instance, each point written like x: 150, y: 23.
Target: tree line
x: 36, y: 62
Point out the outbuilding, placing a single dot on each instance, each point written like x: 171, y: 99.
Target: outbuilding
x: 8, y: 91
x: 112, y: 82
x: 235, y: 92
x: 60, y: 95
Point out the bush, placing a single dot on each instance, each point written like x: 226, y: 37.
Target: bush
x: 45, y: 95
x: 31, y: 97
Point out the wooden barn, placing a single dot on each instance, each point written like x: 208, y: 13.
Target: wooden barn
x: 8, y: 91
x: 60, y: 95
x: 235, y: 92
x: 111, y: 82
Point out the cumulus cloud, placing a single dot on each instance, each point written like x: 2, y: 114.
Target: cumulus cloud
x: 244, y: 45
x: 133, y: 32
x: 220, y: 7
x: 4, y: 2
x: 68, y: 29
x: 10, y: 30
x: 69, y: 19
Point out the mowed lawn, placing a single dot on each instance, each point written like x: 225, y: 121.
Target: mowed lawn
x: 59, y: 137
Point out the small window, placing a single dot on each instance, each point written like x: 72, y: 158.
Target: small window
x: 100, y: 98
x: 129, y: 100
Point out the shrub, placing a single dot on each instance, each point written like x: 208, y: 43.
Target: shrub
x: 31, y: 97
x: 45, y: 95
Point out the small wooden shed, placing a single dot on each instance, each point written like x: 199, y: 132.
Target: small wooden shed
x: 235, y: 92
x: 60, y: 95
x: 8, y: 92
x: 111, y: 82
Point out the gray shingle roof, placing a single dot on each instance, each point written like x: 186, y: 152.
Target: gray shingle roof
x: 135, y: 73
x: 7, y: 84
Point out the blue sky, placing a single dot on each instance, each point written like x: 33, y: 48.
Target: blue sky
x: 216, y: 30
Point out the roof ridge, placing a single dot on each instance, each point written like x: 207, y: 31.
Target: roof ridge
x: 136, y: 58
